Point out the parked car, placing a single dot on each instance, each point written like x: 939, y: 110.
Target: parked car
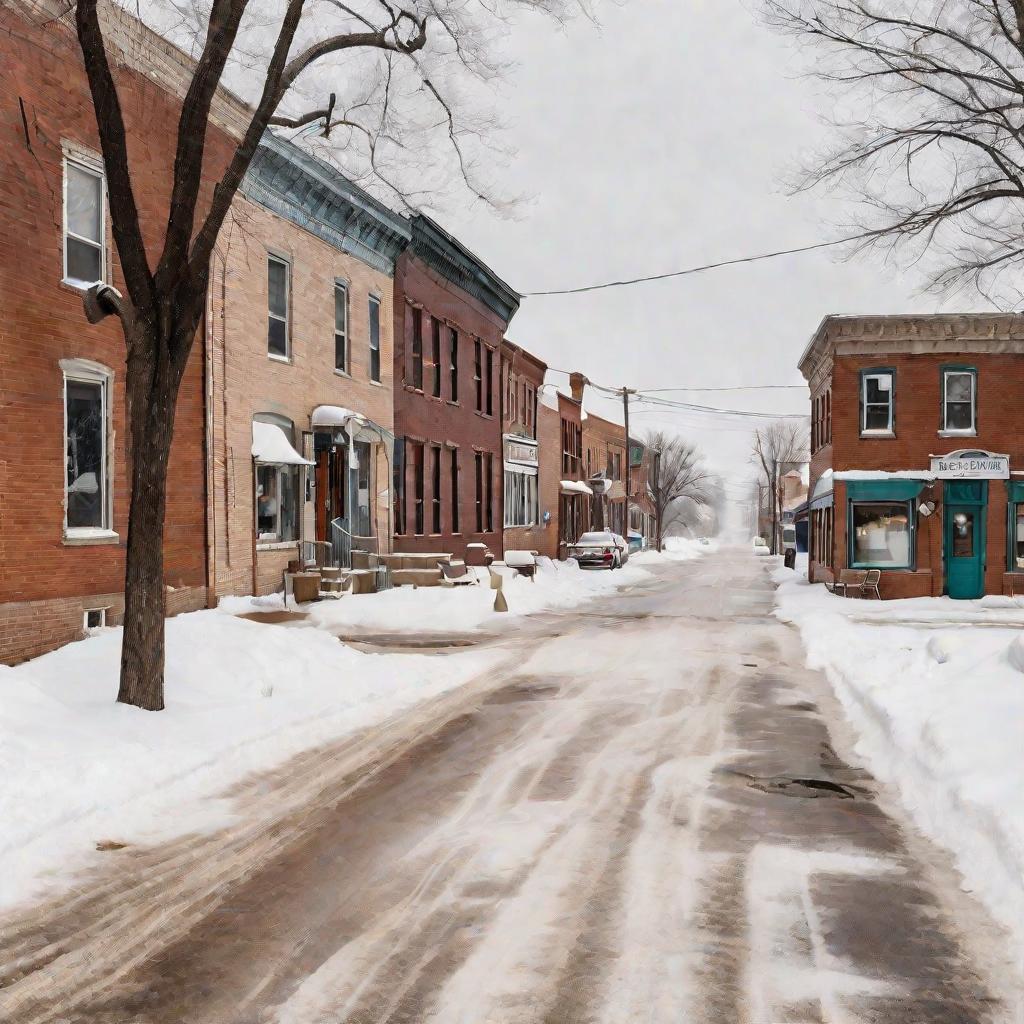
x: 600, y: 549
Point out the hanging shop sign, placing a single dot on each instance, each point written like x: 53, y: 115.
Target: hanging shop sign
x: 521, y: 450
x: 971, y: 465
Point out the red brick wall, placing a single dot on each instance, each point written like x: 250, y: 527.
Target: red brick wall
x: 43, y: 323
x: 1000, y: 420
x: 419, y: 416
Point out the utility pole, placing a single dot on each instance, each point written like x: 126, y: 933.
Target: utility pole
x: 626, y: 392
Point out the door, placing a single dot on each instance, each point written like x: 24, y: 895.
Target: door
x: 965, y: 572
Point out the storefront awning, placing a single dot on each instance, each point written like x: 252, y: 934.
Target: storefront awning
x: 884, y: 490
x: 335, y: 416
x: 575, y: 487
x: 270, y: 445
x: 355, y: 424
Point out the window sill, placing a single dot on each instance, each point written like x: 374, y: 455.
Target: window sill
x: 453, y: 402
x: 78, y: 287
x: 84, y: 537
x: 376, y: 383
x: 342, y: 373
x: 878, y: 433
x: 958, y: 433
x: 279, y: 359
x: 275, y: 545
x: 413, y: 389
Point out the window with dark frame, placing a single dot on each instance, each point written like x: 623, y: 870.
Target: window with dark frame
x: 399, y: 473
x: 455, y: 490
x: 881, y: 534
x: 453, y: 362
x: 490, y: 382
x: 435, y: 489
x: 341, y: 326
x: 418, y: 487
x: 86, y: 452
x: 489, y: 491
x: 478, y: 373
x: 478, y: 463
x: 84, y: 224
x: 374, y: 326
x: 277, y: 307
x: 435, y: 356
x: 417, y: 348
x: 958, y: 400
x: 877, y: 402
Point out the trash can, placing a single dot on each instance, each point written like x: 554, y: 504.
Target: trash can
x: 789, y: 558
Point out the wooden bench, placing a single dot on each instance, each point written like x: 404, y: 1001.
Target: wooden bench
x: 524, y: 563
x: 861, y: 582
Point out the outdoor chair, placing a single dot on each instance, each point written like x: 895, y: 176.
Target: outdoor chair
x: 849, y: 580
x: 456, y: 574
x: 870, y: 584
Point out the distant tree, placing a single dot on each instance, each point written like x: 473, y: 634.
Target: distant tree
x: 680, y: 484
x: 375, y: 74
x: 932, y: 144
x: 776, y: 448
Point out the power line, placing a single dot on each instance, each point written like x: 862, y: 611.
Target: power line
x: 697, y: 270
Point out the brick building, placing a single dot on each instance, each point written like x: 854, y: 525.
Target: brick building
x: 451, y: 313
x: 522, y: 377
x: 300, y: 364
x: 644, y: 463
x: 63, y: 475
x: 917, y: 464
x: 574, y: 493
x: 604, y: 445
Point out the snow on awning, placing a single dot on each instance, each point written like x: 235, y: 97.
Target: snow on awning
x: 270, y: 445
x: 575, y: 487
x: 335, y: 416
x: 867, y: 475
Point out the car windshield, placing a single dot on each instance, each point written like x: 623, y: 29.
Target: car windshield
x: 596, y: 538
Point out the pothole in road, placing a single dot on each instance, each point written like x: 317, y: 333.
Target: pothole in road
x: 801, y: 786
x: 422, y: 643
x: 522, y: 691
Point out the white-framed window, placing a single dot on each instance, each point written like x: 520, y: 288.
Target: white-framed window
x: 277, y: 487
x: 374, y: 324
x: 521, y: 505
x: 85, y: 219
x: 278, y: 334
x: 876, y: 402
x: 341, y: 326
x: 94, y: 618
x: 87, y: 498
x: 959, y: 392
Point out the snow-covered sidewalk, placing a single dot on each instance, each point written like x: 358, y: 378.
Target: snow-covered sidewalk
x: 938, y: 705
x: 242, y: 696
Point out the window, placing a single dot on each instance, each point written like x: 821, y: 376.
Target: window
x: 417, y: 349
x: 490, y: 382
x: 86, y: 448
x: 374, y: 339
x: 881, y: 535
x: 277, y: 303
x: 876, y: 402
x: 478, y: 463
x: 572, y: 448
x: 341, y: 326
x: 455, y: 490
x: 418, y: 484
x: 277, y: 490
x: 435, y: 356
x: 958, y: 401
x: 489, y: 491
x: 94, y: 618
x: 1017, y: 536
x: 84, y: 224
x: 453, y: 361
x: 520, y: 498
x: 435, y: 489
x: 478, y: 374
x: 399, y: 472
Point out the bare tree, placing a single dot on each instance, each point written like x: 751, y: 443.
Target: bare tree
x: 779, y: 446
x: 932, y: 146
x: 394, y: 63
x: 680, y: 484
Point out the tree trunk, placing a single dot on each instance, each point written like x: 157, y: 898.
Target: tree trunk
x: 152, y: 388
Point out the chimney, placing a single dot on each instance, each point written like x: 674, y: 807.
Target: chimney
x: 577, y: 382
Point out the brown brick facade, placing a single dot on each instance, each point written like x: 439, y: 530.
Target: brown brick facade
x: 916, y: 350
x: 46, y: 582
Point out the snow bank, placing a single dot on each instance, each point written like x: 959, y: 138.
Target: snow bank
x: 939, y: 710
x: 242, y: 696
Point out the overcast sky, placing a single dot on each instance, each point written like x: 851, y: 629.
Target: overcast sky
x: 657, y: 142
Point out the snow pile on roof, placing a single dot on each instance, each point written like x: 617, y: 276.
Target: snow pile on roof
x: 878, y: 474
x: 940, y: 715
x: 270, y: 445
x: 549, y: 398
x: 334, y: 416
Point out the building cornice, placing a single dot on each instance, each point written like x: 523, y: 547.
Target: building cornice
x: 313, y: 195
x: 923, y: 334
x: 447, y: 256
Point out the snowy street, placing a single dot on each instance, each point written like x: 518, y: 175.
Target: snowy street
x: 640, y: 811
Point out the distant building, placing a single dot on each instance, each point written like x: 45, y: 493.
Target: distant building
x: 575, y: 494
x: 917, y: 464
x: 604, y: 443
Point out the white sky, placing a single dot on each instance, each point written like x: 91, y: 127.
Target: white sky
x: 657, y: 142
